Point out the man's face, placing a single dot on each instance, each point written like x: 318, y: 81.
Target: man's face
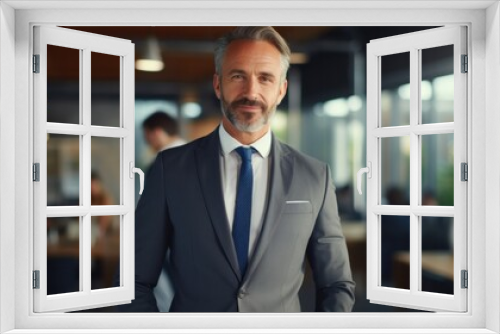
x: 150, y: 136
x: 147, y: 135
x: 250, y: 86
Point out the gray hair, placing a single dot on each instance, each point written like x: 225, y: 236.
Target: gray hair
x: 267, y: 34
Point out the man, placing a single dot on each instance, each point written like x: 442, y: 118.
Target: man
x: 161, y: 132
x: 239, y: 210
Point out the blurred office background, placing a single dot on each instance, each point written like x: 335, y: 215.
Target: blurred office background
x: 323, y: 115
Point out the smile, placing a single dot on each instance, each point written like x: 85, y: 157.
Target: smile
x: 249, y: 108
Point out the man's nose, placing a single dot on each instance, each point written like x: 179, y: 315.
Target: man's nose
x: 252, y: 88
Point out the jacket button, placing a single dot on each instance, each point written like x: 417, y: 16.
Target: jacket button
x: 242, y: 294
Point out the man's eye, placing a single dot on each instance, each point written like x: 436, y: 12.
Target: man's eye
x: 236, y: 77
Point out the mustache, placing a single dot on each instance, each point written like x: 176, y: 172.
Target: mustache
x: 246, y: 102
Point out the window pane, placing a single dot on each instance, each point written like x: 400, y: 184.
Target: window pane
x: 395, y: 170
x: 395, y: 258
x: 63, y: 85
x: 105, y: 250
x: 105, y: 184
x: 437, y: 170
x: 437, y: 86
x: 105, y: 89
x: 63, y: 171
x: 63, y: 255
x: 395, y: 94
x: 437, y: 254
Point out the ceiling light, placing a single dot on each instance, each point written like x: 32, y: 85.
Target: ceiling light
x: 425, y: 91
x: 355, y: 103
x: 336, y: 108
x: 191, y: 110
x: 150, y: 60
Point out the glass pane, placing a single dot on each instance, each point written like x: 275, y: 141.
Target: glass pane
x: 395, y: 90
x: 437, y: 254
x: 105, y: 234
x: 437, y: 86
x: 63, y: 171
x: 395, y: 259
x: 105, y: 186
x: 63, y: 255
x: 437, y: 170
x: 105, y: 89
x: 63, y: 85
x: 395, y: 170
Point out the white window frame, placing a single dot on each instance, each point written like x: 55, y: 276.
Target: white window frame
x: 413, y: 44
x: 86, y: 44
x: 483, y: 120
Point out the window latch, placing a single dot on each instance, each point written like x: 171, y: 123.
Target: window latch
x: 133, y: 170
x: 362, y: 171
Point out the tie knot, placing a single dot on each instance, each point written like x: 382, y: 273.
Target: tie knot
x: 245, y: 153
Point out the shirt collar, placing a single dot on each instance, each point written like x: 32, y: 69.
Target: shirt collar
x: 229, y: 144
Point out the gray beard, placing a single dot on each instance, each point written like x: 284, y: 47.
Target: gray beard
x: 244, y: 126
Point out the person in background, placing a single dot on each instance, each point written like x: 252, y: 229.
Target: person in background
x: 161, y: 132
x: 239, y: 210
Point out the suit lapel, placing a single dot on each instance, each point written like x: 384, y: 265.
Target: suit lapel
x: 209, y: 173
x: 280, y: 179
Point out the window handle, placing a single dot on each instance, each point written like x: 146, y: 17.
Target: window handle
x: 141, y: 175
x: 367, y: 170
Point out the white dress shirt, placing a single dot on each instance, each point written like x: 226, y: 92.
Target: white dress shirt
x: 230, y: 162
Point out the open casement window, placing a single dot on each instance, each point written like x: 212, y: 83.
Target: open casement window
x: 416, y: 156
x: 83, y: 173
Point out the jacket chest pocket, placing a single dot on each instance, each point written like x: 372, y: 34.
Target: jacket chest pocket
x: 297, y: 207
x: 295, y: 226
x: 298, y: 214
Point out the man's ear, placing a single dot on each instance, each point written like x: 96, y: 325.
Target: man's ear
x: 282, y: 92
x: 216, y: 84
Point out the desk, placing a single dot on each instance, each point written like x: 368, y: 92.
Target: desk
x: 439, y: 264
x: 104, y: 248
x: 105, y: 252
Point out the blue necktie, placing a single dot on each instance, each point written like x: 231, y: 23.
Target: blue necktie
x: 243, y: 209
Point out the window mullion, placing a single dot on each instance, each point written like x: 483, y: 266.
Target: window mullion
x: 108, y: 210
x: 415, y: 253
x: 434, y: 129
x: 81, y: 195
x: 85, y: 166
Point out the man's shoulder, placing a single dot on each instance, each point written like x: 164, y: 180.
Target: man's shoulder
x: 301, y: 157
x: 185, y: 150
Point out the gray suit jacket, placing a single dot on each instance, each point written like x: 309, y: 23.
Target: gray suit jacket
x: 182, y: 208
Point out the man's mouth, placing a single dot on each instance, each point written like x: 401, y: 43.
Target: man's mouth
x: 249, y: 105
